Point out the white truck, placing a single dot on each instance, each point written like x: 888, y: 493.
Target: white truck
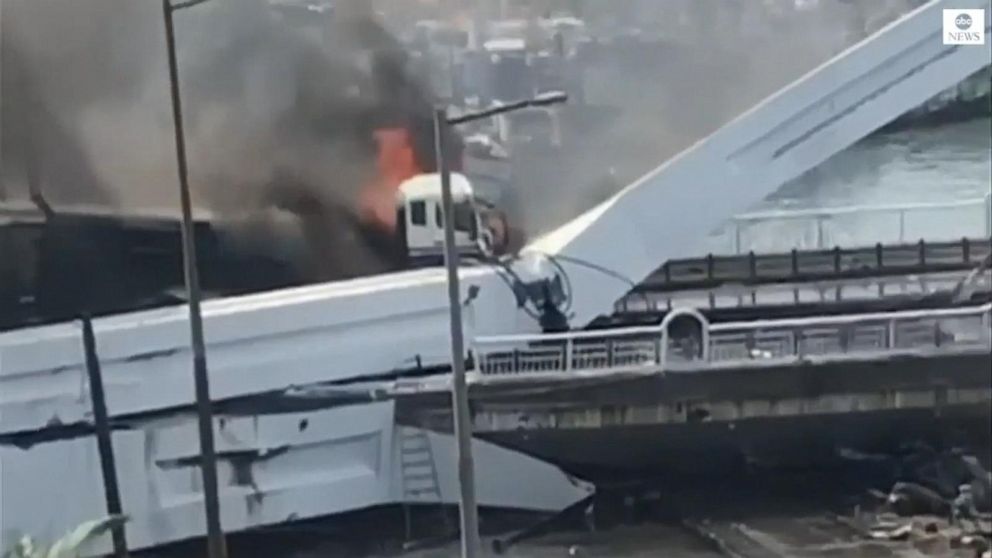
x: 481, y: 230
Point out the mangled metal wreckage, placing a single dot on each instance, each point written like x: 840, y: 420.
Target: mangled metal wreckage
x: 274, y: 468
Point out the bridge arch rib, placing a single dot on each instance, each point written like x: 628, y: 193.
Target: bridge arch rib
x: 667, y: 213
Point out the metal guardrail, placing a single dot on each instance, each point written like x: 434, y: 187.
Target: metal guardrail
x: 820, y: 217
x: 805, y: 265
x: 762, y: 342
x: 730, y: 298
x: 835, y: 275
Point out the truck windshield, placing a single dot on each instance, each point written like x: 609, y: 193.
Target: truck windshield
x: 464, y: 218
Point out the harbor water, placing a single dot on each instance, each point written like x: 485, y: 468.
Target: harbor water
x: 951, y: 163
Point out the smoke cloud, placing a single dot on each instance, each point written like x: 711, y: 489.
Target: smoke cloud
x: 253, y: 93
x: 278, y: 121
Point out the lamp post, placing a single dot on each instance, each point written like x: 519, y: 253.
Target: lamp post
x: 468, y: 511
x: 215, y: 534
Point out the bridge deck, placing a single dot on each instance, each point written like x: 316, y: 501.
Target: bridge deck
x: 787, y: 392
x: 783, y: 414
x: 735, y: 345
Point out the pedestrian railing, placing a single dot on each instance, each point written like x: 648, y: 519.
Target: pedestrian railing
x: 821, y: 217
x: 558, y: 352
x: 763, y: 342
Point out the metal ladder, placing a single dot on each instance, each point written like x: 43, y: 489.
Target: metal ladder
x: 419, y: 474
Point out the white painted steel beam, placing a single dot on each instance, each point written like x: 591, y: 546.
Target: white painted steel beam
x: 254, y: 344
x: 668, y: 213
x: 273, y: 470
x: 257, y: 343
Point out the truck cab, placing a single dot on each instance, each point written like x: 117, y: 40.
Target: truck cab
x: 421, y: 220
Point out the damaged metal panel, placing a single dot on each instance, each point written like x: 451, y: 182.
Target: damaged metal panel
x: 532, y: 485
x: 273, y: 469
x: 256, y: 344
x: 335, y: 332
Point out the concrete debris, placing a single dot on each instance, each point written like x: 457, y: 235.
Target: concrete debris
x: 941, y: 503
x: 931, y: 533
x: 908, y: 499
x: 963, y: 507
x: 900, y: 533
x: 945, y: 473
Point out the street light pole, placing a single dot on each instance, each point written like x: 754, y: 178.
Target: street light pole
x: 468, y: 510
x: 542, y: 100
x: 215, y: 535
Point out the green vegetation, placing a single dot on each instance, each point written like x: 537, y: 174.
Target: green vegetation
x: 68, y: 546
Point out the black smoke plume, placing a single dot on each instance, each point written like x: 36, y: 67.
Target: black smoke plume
x: 280, y: 120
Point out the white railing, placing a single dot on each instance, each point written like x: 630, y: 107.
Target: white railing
x: 558, y: 352
x: 820, y: 217
x: 651, y: 349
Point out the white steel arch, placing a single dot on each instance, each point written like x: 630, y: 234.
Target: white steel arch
x: 666, y: 214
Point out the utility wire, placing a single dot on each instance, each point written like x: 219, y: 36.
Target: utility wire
x: 186, y: 4
x: 597, y: 267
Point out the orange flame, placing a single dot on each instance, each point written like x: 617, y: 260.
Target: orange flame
x: 396, y: 163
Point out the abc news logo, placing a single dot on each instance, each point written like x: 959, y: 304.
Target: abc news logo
x: 964, y: 27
